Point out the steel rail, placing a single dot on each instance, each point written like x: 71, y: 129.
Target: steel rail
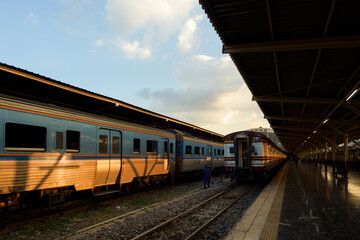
x: 220, y: 213
x: 107, y: 221
x: 118, y: 217
x: 180, y: 215
x: 193, y: 209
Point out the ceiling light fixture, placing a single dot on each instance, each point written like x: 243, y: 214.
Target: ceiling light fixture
x: 352, y: 94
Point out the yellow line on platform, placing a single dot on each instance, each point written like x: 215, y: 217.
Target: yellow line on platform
x: 271, y: 227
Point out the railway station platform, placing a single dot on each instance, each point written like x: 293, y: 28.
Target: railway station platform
x: 304, y: 201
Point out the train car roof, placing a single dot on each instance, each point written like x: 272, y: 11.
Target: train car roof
x: 230, y: 137
x: 64, y: 113
x: 24, y: 84
x: 190, y: 137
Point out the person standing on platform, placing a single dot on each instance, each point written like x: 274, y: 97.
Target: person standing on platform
x: 206, y: 171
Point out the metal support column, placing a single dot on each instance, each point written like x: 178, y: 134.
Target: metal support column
x: 346, y: 155
x: 333, y: 149
x: 325, y: 160
x: 314, y: 156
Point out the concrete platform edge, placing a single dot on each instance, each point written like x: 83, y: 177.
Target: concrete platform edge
x: 252, y: 224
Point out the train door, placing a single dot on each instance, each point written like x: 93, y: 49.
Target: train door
x: 242, y: 152
x: 109, y: 156
x: 166, y: 154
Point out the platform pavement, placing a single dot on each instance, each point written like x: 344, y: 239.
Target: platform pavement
x: 261, y: 215
x: 304, y: 202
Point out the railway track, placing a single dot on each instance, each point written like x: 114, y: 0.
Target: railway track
x: 101, y: 224
x: 191, y: 222
x: 101, y: 230
x: 77, y: 216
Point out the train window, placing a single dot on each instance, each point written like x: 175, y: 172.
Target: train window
x: 171, y: 148
x: 214, y: 152
x: 151, y: 147
x: 188, y: 150
x: 202, y: 151
x: 232, y: 150
x: 72, y: 141
x: 103, y: 144
x: 219, y: 152
x: 197, y: 151
x: 20, y: 137
x: 59, y: 140
x: 222, y: 153
x: 136, y: 145
x: 116, y: 145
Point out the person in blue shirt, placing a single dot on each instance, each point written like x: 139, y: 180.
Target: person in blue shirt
x: 206, y: 171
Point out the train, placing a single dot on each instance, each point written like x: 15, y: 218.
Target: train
x: 250, y: 156
x: 48, y: 152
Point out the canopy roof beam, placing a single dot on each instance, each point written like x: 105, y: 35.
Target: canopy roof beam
x: 293, y: 128
x: 293, y: 45
x: 297, y: 100
x: 337, y: 122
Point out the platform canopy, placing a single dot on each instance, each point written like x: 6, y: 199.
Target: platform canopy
x: 20, y: 83
x: 300, y: 60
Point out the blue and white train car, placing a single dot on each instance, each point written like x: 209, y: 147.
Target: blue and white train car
x: 52, y: 150
x: 194, y: 153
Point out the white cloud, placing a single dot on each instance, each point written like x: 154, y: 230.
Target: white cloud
x: 203, y: 58
x: 212, y: 95
x: 134, y: 50
x: 186, y: 36
x: 147, y: 22
x: 159, y: 18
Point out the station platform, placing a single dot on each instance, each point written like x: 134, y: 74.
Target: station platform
x: 304, y: 201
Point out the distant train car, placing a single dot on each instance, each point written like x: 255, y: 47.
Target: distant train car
x: 48, y: 152
x: 250, y: 155
x: 194, y: 153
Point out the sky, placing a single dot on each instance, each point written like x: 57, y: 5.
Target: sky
x: 160, y: 55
